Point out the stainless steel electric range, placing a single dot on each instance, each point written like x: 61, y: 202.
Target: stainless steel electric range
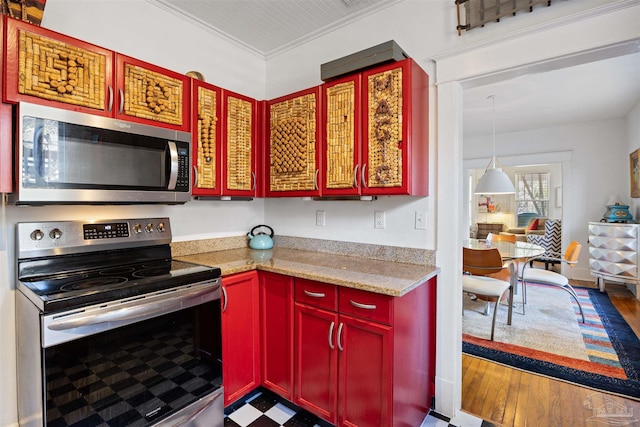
x: 111, y: 330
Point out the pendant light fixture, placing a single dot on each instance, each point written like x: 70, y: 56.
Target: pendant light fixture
x: 494, y: 180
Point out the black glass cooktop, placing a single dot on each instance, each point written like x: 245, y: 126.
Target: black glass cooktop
x: 74, y: 282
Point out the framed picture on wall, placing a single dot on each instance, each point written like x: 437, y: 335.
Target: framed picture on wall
x: 634, y: 170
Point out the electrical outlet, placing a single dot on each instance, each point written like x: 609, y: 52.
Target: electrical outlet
x: 421, y: 220
x: 378, y: 219
x: 320, y: 218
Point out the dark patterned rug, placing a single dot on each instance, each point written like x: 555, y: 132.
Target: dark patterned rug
x: 612, y: 349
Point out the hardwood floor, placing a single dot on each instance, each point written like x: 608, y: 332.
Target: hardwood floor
x: 509, y: 397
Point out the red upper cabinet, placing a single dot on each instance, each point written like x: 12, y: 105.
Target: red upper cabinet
x: 206, y: 139
x: 395, y: 149
x: 376, y: 132
x: 224, y: 138
x: 46, y: 67
x: 6, y: 137
x: 341, y: 149
x: 239, y: 142
x: 151, y: 95
x: 293, y: 137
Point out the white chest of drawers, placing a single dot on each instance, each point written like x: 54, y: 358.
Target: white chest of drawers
x: 613, y: 252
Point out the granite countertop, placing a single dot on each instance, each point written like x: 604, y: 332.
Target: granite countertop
x: 383, y: 277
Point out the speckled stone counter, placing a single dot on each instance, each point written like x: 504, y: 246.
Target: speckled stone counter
x: 383, y: 277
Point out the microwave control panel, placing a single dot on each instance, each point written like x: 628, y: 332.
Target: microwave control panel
x: 182, y: 184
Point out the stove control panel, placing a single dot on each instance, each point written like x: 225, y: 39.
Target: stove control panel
x: 47, y: 238
x: 106, y: 231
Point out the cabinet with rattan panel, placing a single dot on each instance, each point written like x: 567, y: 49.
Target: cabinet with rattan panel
x: 50, y: 68
x: 224, y: 139
x: 376, y: 132
x: 293, y: 134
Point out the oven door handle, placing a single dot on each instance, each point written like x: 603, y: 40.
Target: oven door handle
x: 138, y: 310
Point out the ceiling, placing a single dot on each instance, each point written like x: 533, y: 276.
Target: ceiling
x: 268, y: 27
x: 596, y: 90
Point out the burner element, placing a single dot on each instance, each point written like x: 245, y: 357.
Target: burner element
x: 93, y: 283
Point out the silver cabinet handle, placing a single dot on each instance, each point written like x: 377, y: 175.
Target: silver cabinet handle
x: 339, y: 339
x: 331, y: 335
x: 314, y: 294
x: 255, y: 180
x: 363, y: 176
x: 315, y: 179
x: 365, y: 306
x: 195, y: 176
x: 121, y: 109
x: 110, y: 107
x: 226, y: 299
x: 355, y: 176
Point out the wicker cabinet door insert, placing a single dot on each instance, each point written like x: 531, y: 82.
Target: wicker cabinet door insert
x: 396, y: 130
x: 148, y: 93
x: 239, y: 150
x: 341, y: 150
x: 48, y: 68
x: 205, y: 138
x: 293, y: 136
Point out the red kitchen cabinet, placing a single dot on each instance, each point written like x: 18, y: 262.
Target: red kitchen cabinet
x: 366, y: 374
x: 293, y: 141
x: 151, y: 95
x: 206, y: 125
x: 240, y: 335
x: 316, y: 356
x: 46, y: 67
x: 6, y: 137
x: 376, y: 132
x: 224, y: 139
x: 239, y: 142
x: 276, y: 322
x: 368, y: 362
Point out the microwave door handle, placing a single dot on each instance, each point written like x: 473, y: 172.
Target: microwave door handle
x: 38, y: 155
x: 173, y: 171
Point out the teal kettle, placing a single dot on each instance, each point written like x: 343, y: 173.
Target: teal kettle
x: 260, y: 239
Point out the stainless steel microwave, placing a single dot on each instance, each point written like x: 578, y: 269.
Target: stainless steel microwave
x: 66, y: 157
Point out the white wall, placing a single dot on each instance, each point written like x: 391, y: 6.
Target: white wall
x: 599, y: 161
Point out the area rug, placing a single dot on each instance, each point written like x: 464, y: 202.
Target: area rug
x: 603, y: 353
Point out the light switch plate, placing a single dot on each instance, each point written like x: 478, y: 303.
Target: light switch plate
x: 320, y: 218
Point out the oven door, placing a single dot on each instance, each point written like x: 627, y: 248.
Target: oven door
x: 137, y: 363
x: 68, y: 157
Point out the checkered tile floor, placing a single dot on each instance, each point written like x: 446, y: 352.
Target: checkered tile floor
x: 265, y: 409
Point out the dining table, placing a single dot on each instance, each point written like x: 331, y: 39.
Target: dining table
x: 518, y: 251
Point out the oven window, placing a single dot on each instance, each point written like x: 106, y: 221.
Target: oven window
x: 135, y: 374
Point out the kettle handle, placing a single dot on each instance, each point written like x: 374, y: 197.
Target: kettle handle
x: 258, y: 226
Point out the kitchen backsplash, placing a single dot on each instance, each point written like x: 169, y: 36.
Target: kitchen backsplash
x: 384, y: 253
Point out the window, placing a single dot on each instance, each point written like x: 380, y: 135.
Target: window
x: 532, y: 193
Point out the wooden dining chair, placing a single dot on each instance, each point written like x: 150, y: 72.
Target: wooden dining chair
x: 477, y: 265
x: 548, y: 277
x: 511, y: 238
